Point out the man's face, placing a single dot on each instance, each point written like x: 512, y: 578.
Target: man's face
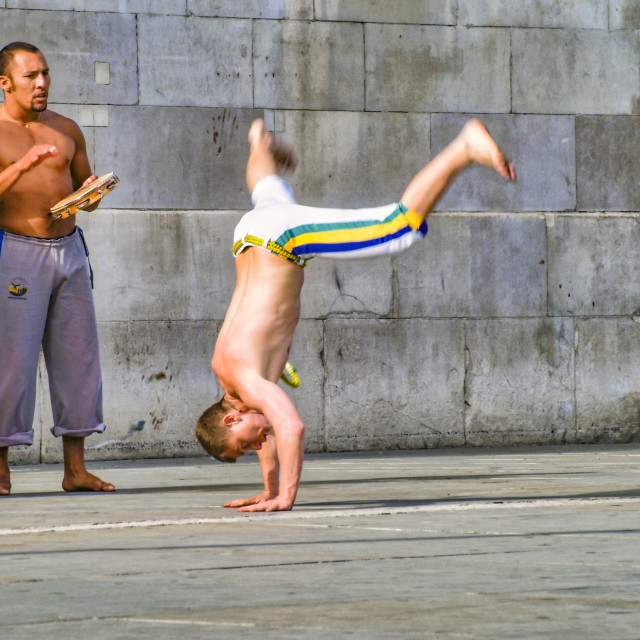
x: 28, y: 81
x: 247, y: 432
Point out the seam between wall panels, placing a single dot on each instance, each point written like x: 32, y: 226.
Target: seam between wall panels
x: 325, y: 383
x: 466, y: 363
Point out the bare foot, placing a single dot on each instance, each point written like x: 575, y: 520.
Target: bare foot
x: 281, y: 151
x: 5, y: 474
x: 482, y: 148
x: 85, y: 481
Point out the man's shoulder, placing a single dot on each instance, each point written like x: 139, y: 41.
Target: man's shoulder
x: 57, y: 120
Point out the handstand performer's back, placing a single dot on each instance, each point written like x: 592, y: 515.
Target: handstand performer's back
x: 272, y: 243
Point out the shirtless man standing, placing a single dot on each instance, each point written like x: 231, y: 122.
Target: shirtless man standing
x: 271, y: 244
x: 45, y: 281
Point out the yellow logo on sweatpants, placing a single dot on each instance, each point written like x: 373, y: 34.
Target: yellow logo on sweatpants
x: 18, y: 287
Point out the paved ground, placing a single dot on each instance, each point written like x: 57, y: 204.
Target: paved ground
x: 537, y: 543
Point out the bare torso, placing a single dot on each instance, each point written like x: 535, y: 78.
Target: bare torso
x: 25, y: 206
x: 258, y: 329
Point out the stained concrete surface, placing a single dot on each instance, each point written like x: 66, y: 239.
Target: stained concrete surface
x: 464, y: 544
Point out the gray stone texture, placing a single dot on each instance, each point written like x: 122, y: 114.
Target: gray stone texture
x: 576, y: 71
x: 467, y: 545
x: 394, y: 383
x: 608, y: 163
x: 471, y: 337
x: 163, y: 7
x: 307, y: 356
x: 441, y: 12
x: 624, y: 14
x: 195, y: 62
x: 271, y: 9
x: 160, y: 266
x: 157, y: 381
x: 411, y: 68
x: 593, y: 265
x: 72, y: 42
x: 357, y: 288
x: 581, y: 14
x: 529, y: 142
x: 345, y: 156
x: 308, y: 65
x: 519, y: 381
x: 482, y: 266
x: 189, y: 158
x: 607, y: 380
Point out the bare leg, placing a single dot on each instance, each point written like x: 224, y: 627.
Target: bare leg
x: 76, y: 476
x: 473, y: 144
x: 269, y: 155
x: 5, y: 482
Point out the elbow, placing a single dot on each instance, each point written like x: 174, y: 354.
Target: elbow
x: 293, y: 430
x: 297, y: 430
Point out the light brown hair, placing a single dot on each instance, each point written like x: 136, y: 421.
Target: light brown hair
x: 211, y: 432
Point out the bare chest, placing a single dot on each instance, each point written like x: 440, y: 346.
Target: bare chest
x: 15, y: 142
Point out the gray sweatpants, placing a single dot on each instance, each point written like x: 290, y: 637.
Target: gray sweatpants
x: 46, y: 299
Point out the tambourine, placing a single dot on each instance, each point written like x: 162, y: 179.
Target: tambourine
x: 85, y: 196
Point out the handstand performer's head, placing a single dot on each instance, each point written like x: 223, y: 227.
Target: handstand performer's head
x: 227, y: 433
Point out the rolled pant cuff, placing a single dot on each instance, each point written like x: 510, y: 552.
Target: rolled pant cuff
x: 15, y: 439
x: 77, y: 433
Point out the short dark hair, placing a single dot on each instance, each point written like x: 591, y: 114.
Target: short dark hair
x: 7, y: 53
x: 211, y: 432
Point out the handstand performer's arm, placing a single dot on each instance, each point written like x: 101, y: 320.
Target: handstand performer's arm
x: 270, y: 467
x: 288, y: 429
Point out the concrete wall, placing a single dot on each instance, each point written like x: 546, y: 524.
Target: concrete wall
x: 517, y: 321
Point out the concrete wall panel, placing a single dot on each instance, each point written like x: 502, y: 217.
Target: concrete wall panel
x: 412, y: 68
x: 382, y: 391
x: 163, y: 7
x: 271, y: 9
x: 367, y: 91
x: 306, y: 355
x: 442, y: 12
x: 312, y: 65
x: 161, y: 265
x: 358, y: 288
x: 529, y: 142
x: 475, y: 266
x: 355, y: 160
x: 624, y: 14
x: 607, y: 380
x: 608, y: 163
x: 519, y: 382
x: 593, y: 265
x: 72, y: 42
x: 583, y: 14
x: 576, y: 71
x: 157, y: 381
x: 195, y: 62
x: 187, y: 158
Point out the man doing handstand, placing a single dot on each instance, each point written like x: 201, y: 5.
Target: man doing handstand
x: 272, y: 244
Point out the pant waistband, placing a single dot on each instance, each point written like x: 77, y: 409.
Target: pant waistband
x: 269, y: 246
x: 40, y: 241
